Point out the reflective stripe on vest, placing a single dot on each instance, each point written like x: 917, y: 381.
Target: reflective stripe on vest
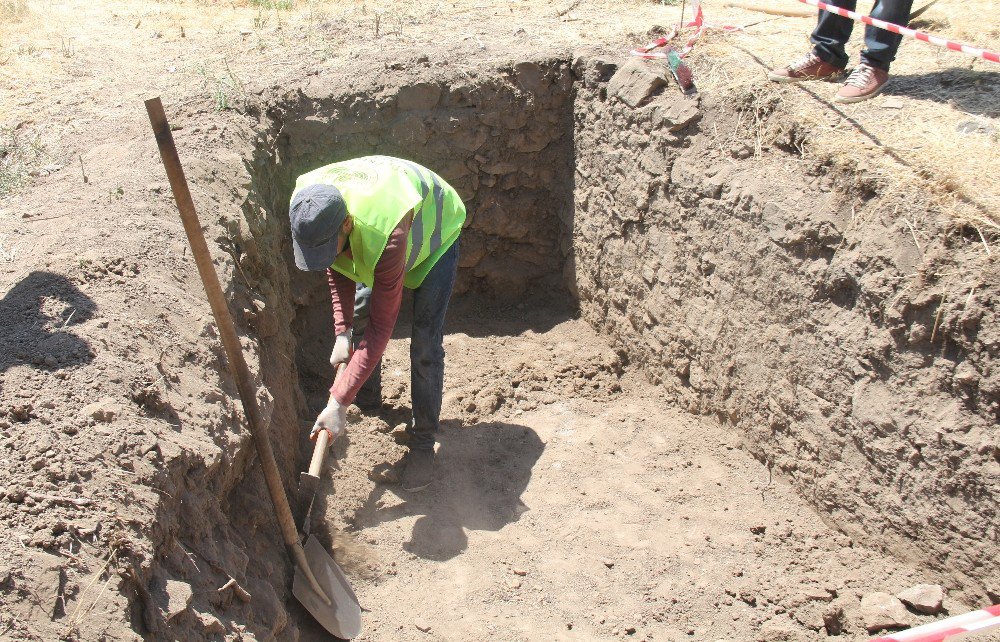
x: 436, y: 193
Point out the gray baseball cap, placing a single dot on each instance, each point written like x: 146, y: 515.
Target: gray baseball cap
x: 316, y: 214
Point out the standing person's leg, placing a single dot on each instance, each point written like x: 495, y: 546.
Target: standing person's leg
x: 870, y: 77
x: 370, y: 395
x: 881, y: 45
x: 430, y: 303
x: 832, y: 33
x: 828, y: 57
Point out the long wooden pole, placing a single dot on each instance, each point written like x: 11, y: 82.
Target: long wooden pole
x: 227, y: 331
x: 789, y: 13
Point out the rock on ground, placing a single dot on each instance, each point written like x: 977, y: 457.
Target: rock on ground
x: 923, y: 598
x: 636, y: 82
x: 104, y: 410
x: 883, y: 611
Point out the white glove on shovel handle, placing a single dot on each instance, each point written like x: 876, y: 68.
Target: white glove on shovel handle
x: 331, y: 423
x: 341, y: 349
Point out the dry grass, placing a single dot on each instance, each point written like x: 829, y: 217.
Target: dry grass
x: 19, y: 154
x: 910, y: 139
x: 12, y: 11
x: 935, y: 131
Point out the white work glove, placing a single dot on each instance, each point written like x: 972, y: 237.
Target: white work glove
x: 333, y: 419
x: 341, y: 349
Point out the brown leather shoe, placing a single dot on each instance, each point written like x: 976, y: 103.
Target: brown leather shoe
x: 864, y: 82
x: 812, y: 67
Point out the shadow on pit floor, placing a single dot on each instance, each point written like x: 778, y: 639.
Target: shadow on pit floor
x: 482, y: 471
x: 479, y: 316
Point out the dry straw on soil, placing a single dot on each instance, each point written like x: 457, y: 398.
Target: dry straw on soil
x: 19, y: 154
x: 933, y: 131
x: 13, y: 10
x: 931, y: 137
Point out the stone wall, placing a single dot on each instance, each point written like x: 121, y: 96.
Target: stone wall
x: 502, y: 139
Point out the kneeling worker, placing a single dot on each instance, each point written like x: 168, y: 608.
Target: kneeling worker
x: 378, y: 224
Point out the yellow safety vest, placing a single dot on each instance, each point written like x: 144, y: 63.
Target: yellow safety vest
x: 379, y: 191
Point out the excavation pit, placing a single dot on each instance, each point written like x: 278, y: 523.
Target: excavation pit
x: 603, y: 201
x: 693, y: 387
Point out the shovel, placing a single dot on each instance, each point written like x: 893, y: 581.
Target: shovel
x: 346, y: 620
x: 316, y: 568
x: 309, y: 480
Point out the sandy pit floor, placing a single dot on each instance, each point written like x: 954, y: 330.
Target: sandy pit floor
x: 576, y: 517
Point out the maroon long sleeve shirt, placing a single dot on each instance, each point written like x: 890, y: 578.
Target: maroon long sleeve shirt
x: 387, y: 292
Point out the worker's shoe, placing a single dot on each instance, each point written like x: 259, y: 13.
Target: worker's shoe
x: 864, y: 82
x: 418, y: 470
x: 812, y: 67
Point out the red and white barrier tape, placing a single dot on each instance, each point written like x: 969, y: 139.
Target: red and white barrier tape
x: 647, y: 51
x: 905, y: 31
x: 700, y: 26
x: 948, y: 629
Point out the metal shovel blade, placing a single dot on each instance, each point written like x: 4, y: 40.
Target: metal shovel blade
x: 303, y: 504
x: 343, y: 617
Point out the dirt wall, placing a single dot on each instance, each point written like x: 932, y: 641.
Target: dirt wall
x: 502, y: 138
x: 797, y: 307
x: 148, y: 493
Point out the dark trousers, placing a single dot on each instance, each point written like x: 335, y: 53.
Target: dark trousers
x: 833, y: 31
x: 430, y: 304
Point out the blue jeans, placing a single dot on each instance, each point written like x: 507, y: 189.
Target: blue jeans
x: 430, y: 304
x: 833, y: 31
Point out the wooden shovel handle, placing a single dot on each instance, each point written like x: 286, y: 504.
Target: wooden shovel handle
x: 319, y: 453
x: 322, y: 440
x: 227, y: 331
